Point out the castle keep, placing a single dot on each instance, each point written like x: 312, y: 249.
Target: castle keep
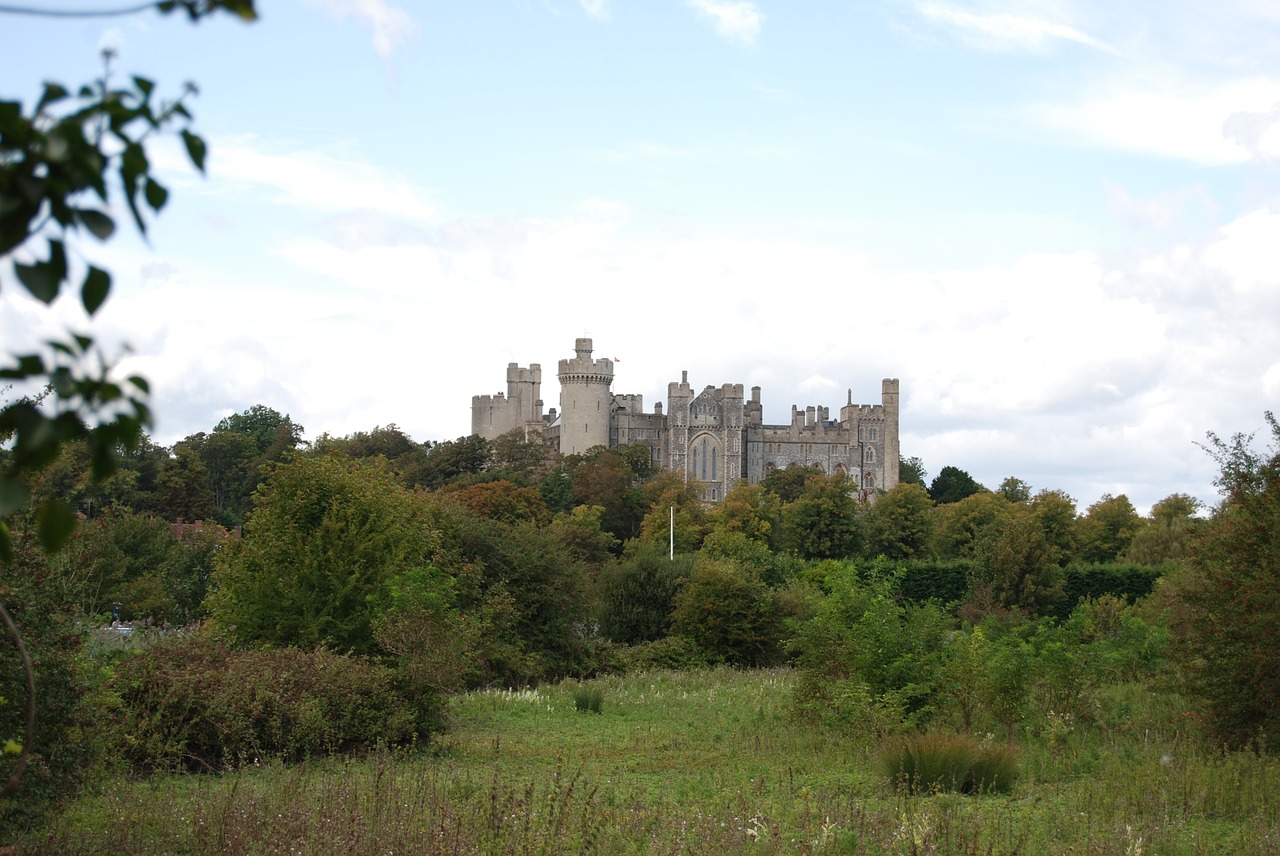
x: 715, y: 437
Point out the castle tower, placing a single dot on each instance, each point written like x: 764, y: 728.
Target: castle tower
x: 585, y: 400
x: 892, y: 451
x: 519, y: 408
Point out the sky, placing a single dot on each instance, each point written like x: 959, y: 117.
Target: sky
x: 1057, y: 223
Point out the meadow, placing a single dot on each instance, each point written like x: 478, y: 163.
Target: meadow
x: 700, y: 762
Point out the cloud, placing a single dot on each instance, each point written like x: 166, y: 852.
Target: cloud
x: 313, y: 180
x: 734, y: 20
x: 1211, y: 124
x: 392, y: 26
x: 1003, y: 31
x: 598, y: 9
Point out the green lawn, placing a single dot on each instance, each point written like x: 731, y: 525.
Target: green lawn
x: 709, y: 762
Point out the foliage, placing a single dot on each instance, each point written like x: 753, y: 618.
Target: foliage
x: 669, y: 499
x: 611, y: 479
x: 943, y: 581
x: 899, y: 524
x: 1107, y: 529
x: 452, y: 460
x: 1167, y: 535
x: 1015, y: 490
x: 582, y: 533
x: 952, y: 484
x: 911, y: 471
x: 1127, y: 581
x: 526, y: 584
x: 823, y: 522
x: 60, y: 165
x: 729, y: 614
x: 936, y: 761
x: 1226, y: 605
x: 865, y: 655
x: 325, y: 534
x: 1014, y: 568
x: 66, y: 749
x: 788, y: 484
x: 963, y: 524
x: 191, y: 701
x: 502, y: 501
x: 637, y: 593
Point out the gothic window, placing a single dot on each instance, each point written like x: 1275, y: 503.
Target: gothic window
x: 869, y: 456
x: 875, y: 435
x: 868, y: 480
x: 713, y: 465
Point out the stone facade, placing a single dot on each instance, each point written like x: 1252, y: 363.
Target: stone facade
x: 716, y: 437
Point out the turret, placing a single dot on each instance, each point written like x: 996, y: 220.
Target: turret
x: 585, y: 400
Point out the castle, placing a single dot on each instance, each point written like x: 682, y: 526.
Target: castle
x: 716, y: 437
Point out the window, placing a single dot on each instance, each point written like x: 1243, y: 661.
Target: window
x: 869, y: 456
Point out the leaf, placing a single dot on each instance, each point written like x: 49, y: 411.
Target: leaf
x: 97, y: 285
x: 96, y: 222
x: 156, y: 194
x: 43, y: 279
x: 141, y: 383
x: 196, y: 149
x: 144, y: 86
x: 54, y: 524
x: 53, y: 93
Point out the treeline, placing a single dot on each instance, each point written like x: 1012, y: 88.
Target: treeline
x: 388, y: 573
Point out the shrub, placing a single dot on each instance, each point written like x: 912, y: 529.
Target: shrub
x: 672, y: 652
x: 191, y: 701
x: 728, y: 613
x: 933, y: 762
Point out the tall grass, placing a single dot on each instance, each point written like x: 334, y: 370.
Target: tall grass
x: 709, y: 762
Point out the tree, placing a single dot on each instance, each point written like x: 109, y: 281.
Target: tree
x: 962, y: 524
x: 1014, y: 569
x: 1015, y: 490
x: 1107, y: 529
x: 899, y: 524
x: 729, y: 614
x: 454, y: 459
x: 823, y: 521
x: 952, y: 484
x: 271, y: 431
x: 788, y: 484
x: 1055, y: 511
x: 325, y: 534
x: 1226, y: 603
x: 1166, y: 536
x: 911, y: 471
x: 637, y: 594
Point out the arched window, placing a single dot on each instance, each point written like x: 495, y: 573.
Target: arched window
x: 869, y: 456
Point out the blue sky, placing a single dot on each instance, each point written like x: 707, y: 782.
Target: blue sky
x: 1056, y: 222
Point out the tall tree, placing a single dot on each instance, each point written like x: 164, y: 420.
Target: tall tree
x: 900, y: 523
x: 952, y: 484
x: 1107, y: 528
x: 1226, y: 605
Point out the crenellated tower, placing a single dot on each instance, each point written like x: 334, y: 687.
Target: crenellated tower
x: 585, y: 400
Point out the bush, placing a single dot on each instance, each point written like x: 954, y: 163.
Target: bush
x: 933, y: 762
x: 728, y: 613
x: 193, y: 702
x: 673, y: 652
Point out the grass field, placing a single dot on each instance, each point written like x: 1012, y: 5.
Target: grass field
x: 703, y: 762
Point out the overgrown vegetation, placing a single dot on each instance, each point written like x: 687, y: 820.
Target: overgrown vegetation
x: 999, y: 641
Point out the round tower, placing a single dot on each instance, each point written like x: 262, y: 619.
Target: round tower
x: 585, y: 400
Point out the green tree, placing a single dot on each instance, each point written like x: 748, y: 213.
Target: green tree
x: 1107, y: 529
x: 270, y: 431
x: 899, y: 524
x: 823, y: 521
x: 729, y: 614
x: 952, y: 484
x: 1015, y: 490
x: 912, y: 471
x: 1055, y: 511
x: 1014, y: 569
x: 1167, y: 534
x: 455, y: 459
x: 1226, y: 603
x: 324, y: 535
x: 963, y: 524
x: 789, y: 483
x: 637, y: 593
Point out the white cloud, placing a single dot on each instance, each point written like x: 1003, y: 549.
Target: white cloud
x: 595, y: 8
x: 734, y: 20
x: 1003, y: 31
x: 1257, y: 131
x: 392, y: 26
x: 1186, y: 121
x: 312, y: 180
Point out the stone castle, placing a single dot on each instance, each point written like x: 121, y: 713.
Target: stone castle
x: 715, y: 437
